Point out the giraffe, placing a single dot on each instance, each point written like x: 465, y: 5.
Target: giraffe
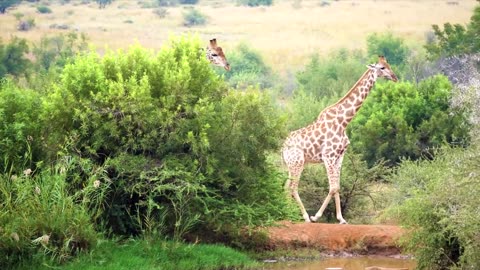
x: 216, y: 56
x: 325, y: 140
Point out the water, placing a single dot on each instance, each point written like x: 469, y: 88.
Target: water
x: 356, y: 263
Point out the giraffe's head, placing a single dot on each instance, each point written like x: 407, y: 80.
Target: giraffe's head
x: 382, y: 68
x: 216, y: 56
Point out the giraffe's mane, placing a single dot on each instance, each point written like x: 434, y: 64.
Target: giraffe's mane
x: 349, y: 91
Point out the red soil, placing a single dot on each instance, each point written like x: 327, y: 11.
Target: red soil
x: 336, y: 238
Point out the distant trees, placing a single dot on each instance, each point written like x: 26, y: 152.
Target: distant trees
x: 456, y: 39
x: 103, y: 3
x: 13, y: 58
x: 255, y: 3
x: 4, y: 4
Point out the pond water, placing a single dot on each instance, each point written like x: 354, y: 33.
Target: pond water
x: 356, y: 263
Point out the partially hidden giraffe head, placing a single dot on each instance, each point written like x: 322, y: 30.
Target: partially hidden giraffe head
x: 216, y: 56
x: 383, y: 69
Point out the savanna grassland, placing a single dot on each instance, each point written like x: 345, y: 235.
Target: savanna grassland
x: 286, y: 33
x: 131, y: 150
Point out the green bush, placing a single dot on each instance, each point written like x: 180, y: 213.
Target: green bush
x: 255, y: 3
x: 182, y: 153
x: 437, y: 202
x: 188, y: 2
x: 249, y: 69
x: 393, y: 48
x: 40, y: 219
x: 194, y: 17
x: 44, y: 9
x: 20, y: 132
x: 404, y: 120
x: 13, y: 60
x: 333, y: 76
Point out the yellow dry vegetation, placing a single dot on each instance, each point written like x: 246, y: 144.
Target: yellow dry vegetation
x: 286, y: 34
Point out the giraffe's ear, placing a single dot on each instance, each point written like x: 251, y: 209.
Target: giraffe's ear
x: 370, y: 66
x: 213, y: 42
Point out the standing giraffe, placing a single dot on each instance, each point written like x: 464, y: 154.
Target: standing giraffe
x: 325, y: 140
x: 216, y: 56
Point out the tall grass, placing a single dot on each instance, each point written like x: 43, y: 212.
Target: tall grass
x: 40, y: 217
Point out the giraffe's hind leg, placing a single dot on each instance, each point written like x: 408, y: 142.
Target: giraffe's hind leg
x: 295, y: 161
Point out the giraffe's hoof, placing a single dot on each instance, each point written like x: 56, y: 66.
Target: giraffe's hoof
x: 343, y: 222
x: 313, y: 218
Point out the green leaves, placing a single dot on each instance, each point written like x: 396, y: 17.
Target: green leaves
x: 402, y: 120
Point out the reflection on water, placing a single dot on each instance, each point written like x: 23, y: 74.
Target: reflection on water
x: 357, y: 263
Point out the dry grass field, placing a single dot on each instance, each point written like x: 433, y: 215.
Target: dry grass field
x: 285, y: 33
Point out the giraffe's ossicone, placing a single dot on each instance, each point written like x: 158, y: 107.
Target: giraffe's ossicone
x: 325, y: 140
x: 216, y: 56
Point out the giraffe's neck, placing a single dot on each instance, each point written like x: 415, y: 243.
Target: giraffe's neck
x: 347, y: 107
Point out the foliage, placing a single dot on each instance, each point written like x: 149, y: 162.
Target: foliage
x: 13, y: 58
x: 182, y: 153
x: 249, y: 68
x: 103, y: 3
x: 20, y: 132
x: 194, y: 17
x: 4, y: 4
x: 255, y: 3
x: 404, y: 120
x: 393, y: 48
x: 51, y: 55
x: 166, y: 3
x: 331, y: 77
x: 357, y: 182
x: 437, y: 201
x: 456, y: 39
x: 39, y: 215
x: 44, y: 9
x: 188, y: 2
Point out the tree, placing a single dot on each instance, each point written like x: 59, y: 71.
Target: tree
x: 456, y: 39
x: 103, y: 3
x: 403, y: 120
x: 13, y: 59
x: 393, y: 48
x: 175, y: 142
x: 4, y: 4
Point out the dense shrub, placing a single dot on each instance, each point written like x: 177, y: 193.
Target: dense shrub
x: 20, y: 132
x: 249, y: 69
x: 255, y: 3
x: 437, y: 201
x: 393, y: 48
x: 180, y: 151
x: 188, y: 2
x: 13, y: 58
x: 194, y: 17
x: 4, y: 4
x: 332, y: 76
x: 44, y: 9
x: 40, y: 218
x: 404, y: 120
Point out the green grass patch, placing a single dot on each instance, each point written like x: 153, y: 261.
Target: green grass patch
x: 141, y: 254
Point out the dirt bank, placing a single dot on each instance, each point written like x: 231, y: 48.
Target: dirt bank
x: 336, y: 238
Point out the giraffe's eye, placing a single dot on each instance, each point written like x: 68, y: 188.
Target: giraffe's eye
x: 382, y: 68
x: 214, y: 54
